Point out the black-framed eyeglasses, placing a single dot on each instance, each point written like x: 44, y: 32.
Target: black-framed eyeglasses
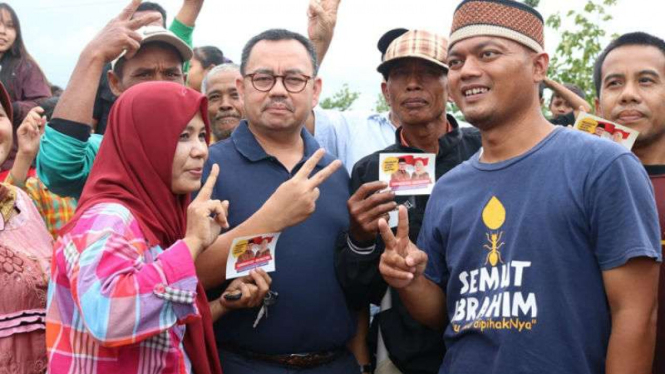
x: 293, y: 82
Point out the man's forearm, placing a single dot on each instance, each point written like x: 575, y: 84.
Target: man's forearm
x: 425, y: 302
x: 78, y: 100
x: 632, y: 342
x: 189, y: 12
x: 571, y: 97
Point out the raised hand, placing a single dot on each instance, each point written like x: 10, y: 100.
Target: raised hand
x: 202, y: 229
x: 120, y: 35
x: 322, y: 18
x: 401, y: 262
x: 29, y: 133
x: 295, y: 199
x: 366, y: 206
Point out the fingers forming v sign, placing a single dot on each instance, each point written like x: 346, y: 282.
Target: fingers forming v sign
x: 295, y: 199
x: 119, y: 36
x: 401, y: 261
x: 201, y: 228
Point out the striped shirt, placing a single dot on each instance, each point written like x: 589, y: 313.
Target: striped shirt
x: 115, y: 305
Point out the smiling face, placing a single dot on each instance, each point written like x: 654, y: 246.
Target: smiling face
x: 494, y: 80
x: 190, y: 155
x: 632, y: 91
x: 278, y: 109
x: 419, y: 166
x: 225, y: 106
x: 416, y: 91
x: 8, y: 31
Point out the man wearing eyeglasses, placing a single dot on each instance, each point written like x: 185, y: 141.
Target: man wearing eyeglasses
x: 309, y: 325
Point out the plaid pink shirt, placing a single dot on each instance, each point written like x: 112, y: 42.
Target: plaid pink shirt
x: 115, y: 305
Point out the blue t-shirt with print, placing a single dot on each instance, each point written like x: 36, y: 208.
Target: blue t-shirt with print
x: 519, y: 248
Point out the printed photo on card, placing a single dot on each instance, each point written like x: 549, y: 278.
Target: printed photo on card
x: 605, y: 129
x: 251, y: 252
x: 408, y: 173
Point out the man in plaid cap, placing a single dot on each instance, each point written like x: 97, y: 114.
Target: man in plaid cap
x: 519, y: 247
x: 414, y: 71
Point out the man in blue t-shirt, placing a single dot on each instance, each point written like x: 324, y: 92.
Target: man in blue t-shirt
x: 543, y: 249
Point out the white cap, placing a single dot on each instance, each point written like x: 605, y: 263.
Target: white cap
x: 160, y: 34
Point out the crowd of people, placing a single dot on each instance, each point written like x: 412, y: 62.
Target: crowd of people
x: 538, y: 250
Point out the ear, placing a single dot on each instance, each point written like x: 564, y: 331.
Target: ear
x: 318, y: 86
x: 541, y: 63
x: 384, y: 90
x: 114, y: 83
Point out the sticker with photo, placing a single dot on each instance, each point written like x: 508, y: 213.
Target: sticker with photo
x: 606, y: 129
x: 251, y: 252
x: 408, y: 173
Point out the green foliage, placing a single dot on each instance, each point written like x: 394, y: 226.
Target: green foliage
x: 381, y: 105
x: 341, y: 100
x: 532, y: 3
x: 575, y: 55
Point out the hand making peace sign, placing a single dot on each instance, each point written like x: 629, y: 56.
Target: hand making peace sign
x: 295, y: 199
x: 120, y: 34
x: 401, y: 262
x: 202, y: 228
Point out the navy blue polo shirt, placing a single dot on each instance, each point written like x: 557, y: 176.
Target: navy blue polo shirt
x: 311, y: 314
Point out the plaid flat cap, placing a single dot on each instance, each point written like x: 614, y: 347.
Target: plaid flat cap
x: 504, y: 18
x: 414, y: 44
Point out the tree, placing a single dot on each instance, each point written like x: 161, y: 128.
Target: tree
x: 532, y: 3
x: 575, y: 55
x: 381, y: 105
x: 341, y: 100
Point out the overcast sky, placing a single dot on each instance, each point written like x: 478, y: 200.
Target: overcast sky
x: 55, y: 31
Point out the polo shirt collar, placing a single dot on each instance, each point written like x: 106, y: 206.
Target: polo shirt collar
x: 246, y: 143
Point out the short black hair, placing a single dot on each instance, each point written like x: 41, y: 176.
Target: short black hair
x: 277, y: 35
x: 147, y: 6
x: 633, y: 38
x: 209, y: 56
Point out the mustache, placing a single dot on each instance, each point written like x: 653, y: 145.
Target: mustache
x: 228, y: 114
x: 278, y: 102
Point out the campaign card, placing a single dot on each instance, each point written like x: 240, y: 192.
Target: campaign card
x: 408, y: 173
x: 251, y: 252
x: 605, y: 129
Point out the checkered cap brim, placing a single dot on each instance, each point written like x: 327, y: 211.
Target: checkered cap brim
x: 504, y: 18
x: 416, y: 44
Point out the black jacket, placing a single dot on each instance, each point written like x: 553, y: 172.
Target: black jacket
x: 412, y: 347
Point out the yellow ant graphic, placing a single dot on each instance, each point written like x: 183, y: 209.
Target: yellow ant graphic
x: 494, y: 256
